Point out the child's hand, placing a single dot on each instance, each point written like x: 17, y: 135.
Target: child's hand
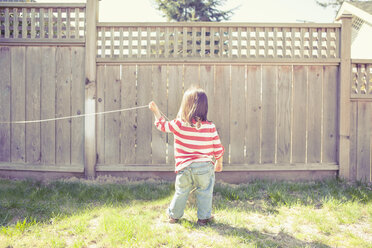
x: 154, y: 108
x: 218, y: 166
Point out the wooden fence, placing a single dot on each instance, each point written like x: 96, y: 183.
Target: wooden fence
x: 361, y: 121
x: 286, y: 98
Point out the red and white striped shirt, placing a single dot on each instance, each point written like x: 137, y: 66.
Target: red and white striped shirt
x: 192, y: 144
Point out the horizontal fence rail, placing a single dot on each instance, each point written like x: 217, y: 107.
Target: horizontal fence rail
x: 182, y: 41
x: 361, y: 81
x: 34, y: 22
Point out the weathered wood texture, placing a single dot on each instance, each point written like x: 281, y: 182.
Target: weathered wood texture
x: 361, y: 141
x: 265, y: 114
x: 42, y: 83
x: 274, y: 92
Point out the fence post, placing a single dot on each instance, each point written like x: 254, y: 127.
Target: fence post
x: 91, y: 13
x: 344, y: 97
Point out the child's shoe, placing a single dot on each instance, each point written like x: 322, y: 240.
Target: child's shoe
x: 205, y: 221
x: 172, y: 220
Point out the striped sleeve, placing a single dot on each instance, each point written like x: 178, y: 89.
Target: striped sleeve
x: 164, y: 126
x: 218, y: 149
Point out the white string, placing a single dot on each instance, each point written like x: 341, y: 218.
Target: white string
x: 73, y: 116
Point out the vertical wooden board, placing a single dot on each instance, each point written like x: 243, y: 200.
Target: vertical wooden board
x: 191, y: 77
x: 207, y: 83
x: 284, y: 110
x: 159, y: 80
x: 253, y: 115
x: 363, y: 141
x: 330, y: 114
x: 77, y: 104
x: 18, y: 110
x: 222, y: 107
x: 144, y: 118
x: 48, y: 103
x: 299, y: 111
x: 112, y: 120
x: 314, y: 114
x: 128, y: 118
x: 63, y: 105
x: 100, y: 139
x: 269, y: 74
x: 174, y: 102
x: 353, y: 140
x: 5, y: 91
x: 237, y: 114
x: 33, y: 75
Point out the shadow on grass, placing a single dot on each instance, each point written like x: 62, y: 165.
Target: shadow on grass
x: 261, y: 239
x: 254, y: 237
x: 36, y: 201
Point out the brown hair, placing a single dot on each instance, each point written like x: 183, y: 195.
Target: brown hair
x: 194, y: 106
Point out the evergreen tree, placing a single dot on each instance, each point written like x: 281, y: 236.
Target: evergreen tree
x: 335, y: 3
x: 193, y: 10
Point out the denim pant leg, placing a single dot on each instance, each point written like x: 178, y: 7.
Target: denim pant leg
x: 204, y: 178
x: 183, y: 187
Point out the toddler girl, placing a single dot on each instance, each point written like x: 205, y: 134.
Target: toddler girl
x: 198, y: 154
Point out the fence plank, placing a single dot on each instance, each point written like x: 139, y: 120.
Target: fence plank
x: 314, y: 114
x: 128, y: 118
x: 353, y: 140
x: 144, y: 118
x: 330, y: 114
x: 48, y: 99
x: 32, y: 25
x: 174, y: 102
x: 42, y: 23
x: 237, y: 114
x: 268, y: 114
x: 299, y: 111
x: 18, y: 149
x: 191, y: 77
x: 363, y: 141
x: 77, y: 104
x: 112, y: 121
x: 222, y: 91
x: 207, y: 83
x: 50, y: 23
x: 63, y: 97
x: 33, y: 75
x: 253, y: 115
x: 15, y: 23
x: 100, y: 121
x: 159, y: 80
x: 5, y: 92
x: 6, y: 24
x: 284, y: 105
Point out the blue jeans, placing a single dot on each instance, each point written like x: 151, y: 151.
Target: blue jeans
x: 201, y: 176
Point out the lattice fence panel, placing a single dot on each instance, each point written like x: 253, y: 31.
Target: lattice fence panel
x: 32, y: 22
x: 361, y: 85
x: 212, y: 41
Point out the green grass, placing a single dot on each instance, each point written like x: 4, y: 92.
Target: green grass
x: 116, y: 213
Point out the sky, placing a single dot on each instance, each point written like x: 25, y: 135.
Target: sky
x: 248, y: 11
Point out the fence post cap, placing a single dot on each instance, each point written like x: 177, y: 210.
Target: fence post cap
x: 345, y: 16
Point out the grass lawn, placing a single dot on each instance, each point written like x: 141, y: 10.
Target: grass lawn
x: 110, y: 212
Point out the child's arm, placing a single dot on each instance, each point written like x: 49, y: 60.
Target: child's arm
x: 218, y: 166
x: 160, y: 123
